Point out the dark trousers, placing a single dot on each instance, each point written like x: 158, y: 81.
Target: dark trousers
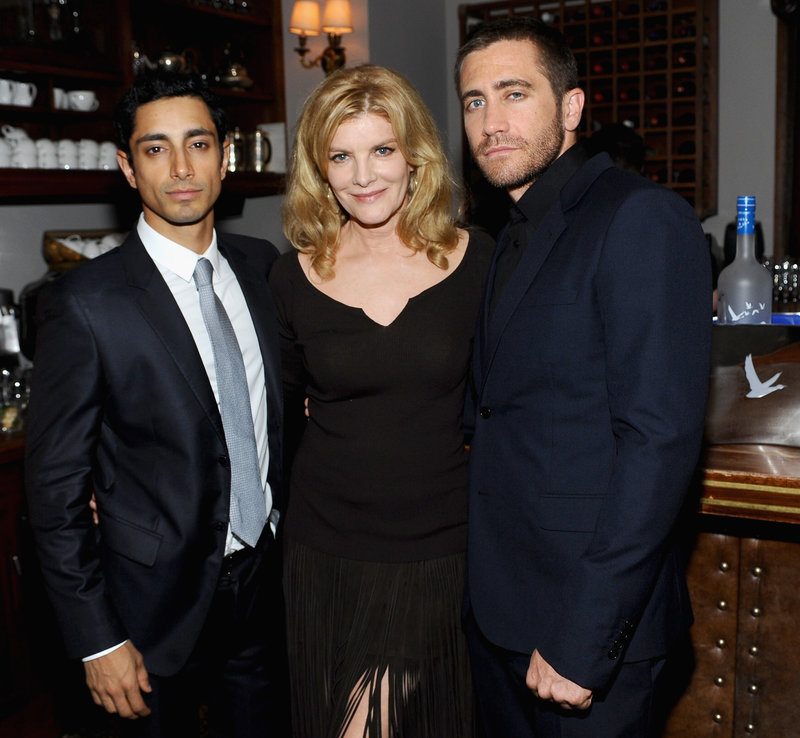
x: 235, y: 684
x: 508, y: 709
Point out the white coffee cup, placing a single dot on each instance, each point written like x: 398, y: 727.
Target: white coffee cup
x: 23, y: 93
x: 24, y: 159
x: 47, y: 159
x: 88, y: 146
x: 26, y: 147
x: 46, y: 144
x: 108, y: 163
x: 14, y: 135
x: 85, y: 100
x: 60, y: 99
x: 5, y: 92
x: 67, y: 146
x: 87, y: 161
x: 67, y: 153
x: 5, y: 153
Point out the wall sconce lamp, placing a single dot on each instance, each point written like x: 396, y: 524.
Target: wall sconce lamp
x: 336, y: 20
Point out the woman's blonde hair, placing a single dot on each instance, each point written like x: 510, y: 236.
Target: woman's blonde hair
x: 313, y: 218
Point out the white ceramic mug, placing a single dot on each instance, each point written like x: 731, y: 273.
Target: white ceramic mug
x: 67, y: 154
x: 85, y: 100
x: 26, y: 147
x: 46, y: 144
x: 88, y: 146
x: 5, y: 153
x: 87, y: 161
x: 60, y: 99
x: 24, y: 159
x: 5, y: 92
x: 14, y: 135
x: 67, y: 146
x: 47, y: 159
x: 23, y: 93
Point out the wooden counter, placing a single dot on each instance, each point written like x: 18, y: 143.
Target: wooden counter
x: 752, y: 482
x: 740, y: 673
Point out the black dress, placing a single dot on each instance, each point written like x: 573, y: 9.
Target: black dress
x: 376, y: 522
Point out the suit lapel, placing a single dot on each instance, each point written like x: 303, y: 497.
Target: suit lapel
x: 160, y: 310
x: 536, y: 251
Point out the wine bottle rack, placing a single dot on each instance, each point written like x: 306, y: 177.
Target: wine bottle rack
x: 649, y: 63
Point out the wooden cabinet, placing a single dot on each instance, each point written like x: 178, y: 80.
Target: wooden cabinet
x: 97, y: 45
x: 650, y: 63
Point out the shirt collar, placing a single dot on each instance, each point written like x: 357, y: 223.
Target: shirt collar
x: 543, y: 193
x: 171, y: 255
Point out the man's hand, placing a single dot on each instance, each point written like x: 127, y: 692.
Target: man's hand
x: 547, y: 684
x: 117, y: 681
x: 93, y: 508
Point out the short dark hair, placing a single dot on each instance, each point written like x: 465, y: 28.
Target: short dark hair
x: 153, y: 85
x: 558, y: 61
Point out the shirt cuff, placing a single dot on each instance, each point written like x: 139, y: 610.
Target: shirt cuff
x: 103, y: 653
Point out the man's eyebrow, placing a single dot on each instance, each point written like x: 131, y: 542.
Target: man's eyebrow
x: 499, y: 85
x: 191, y: 133
x: 505, y: 83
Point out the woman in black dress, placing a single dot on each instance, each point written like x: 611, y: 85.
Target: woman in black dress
x: 377, y: 307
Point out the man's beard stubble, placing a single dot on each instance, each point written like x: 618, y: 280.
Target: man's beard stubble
x: 539, y: 154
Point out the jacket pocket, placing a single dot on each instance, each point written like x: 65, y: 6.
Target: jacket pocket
x: 569, y: 512
x: 129, y: 540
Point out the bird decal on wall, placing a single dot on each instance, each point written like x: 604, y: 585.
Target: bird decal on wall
x: 757, y: 387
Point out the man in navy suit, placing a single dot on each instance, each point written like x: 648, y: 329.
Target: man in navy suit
x: 590, y: 370
x: 164, y: 602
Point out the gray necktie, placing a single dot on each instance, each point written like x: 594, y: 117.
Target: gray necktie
x: 248, y: 511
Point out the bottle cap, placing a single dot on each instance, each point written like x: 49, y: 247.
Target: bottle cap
x: 745, y: 214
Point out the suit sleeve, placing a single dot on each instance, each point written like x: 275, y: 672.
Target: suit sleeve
x: 64, y: 419
x: 655, y: 303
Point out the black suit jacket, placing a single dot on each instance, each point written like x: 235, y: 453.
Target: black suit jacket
x: 591, y: 375
x: 121, y: 403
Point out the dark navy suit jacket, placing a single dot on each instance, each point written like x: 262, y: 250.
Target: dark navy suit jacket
x: 591, y: 378
x: 121, y: 403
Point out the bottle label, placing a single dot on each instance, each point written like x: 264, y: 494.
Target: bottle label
x: 746, y: 214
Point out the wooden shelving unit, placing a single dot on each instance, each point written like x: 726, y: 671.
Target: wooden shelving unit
x: 100, y: 57
x: 651, y: 63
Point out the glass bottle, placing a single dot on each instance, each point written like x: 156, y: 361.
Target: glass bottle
x: 745, y: 286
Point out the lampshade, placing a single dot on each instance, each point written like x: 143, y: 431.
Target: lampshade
x: 305, y: 18
x: 337, y: 17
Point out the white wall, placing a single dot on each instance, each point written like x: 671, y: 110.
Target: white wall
x: 420, y: 39
x: 747, y: 68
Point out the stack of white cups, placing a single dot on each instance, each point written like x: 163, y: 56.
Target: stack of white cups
x: 67, y: 154
x: 47, y: 153
x: 108, y: 155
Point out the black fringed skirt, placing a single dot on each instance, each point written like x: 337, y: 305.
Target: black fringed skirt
x: 381, y: 640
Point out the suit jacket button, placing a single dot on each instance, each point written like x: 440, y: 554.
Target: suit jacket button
x: 486, y: 412
x: 219, y: 525
x: 224, y: 462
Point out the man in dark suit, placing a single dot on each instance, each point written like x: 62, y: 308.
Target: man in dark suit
x: 175, y: 596
x: 590, y: 371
